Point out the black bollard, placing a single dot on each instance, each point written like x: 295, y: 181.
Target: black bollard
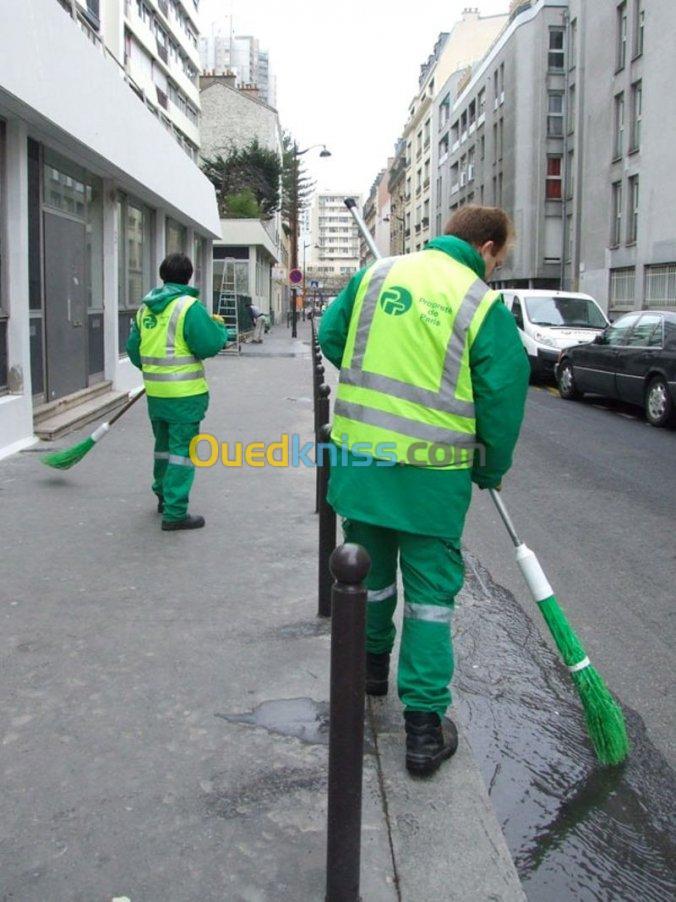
x: 319, y: 381
x: 327, y: 522
x: 350, y: 565
x: 322, y: 417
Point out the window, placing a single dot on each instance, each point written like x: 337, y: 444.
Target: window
x: 501, y: 138
x: 633, y: 210
x: 482, y: 148
x: 555, y: 56
x: 618, y: 333
x: 660, y: 285
x: 495, y: 143
x: 642, y: 334
x: 443, y: 149
x: 618, y: 126
x: 499, y: 201
x: 134, y: 262
x: 616, y: 224
x: 621, y: 36
x: 455, y: 178
x: 481, y: 103
x: 639, y: 27
x: 555, y: 115
x: 573, y: 44
x: 176, y: 237
x: 621, y: 293
x: 444, y: 110
x: 496, y: 86
x: 636, y: 114
x: 455, y: 133
x: 553, y: 183
x: 502, y: 82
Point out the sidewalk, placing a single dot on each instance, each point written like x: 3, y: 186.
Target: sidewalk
x: 164, y: 695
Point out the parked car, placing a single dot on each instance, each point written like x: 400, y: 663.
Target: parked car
x: 633, y: 360
x: 551, y: 320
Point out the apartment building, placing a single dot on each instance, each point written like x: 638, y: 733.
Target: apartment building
x: 500, y: 136
x: 93, y: 193
x: 621, y: 194
x: 463, y: 45
x: 222, y: 51
x: 376, y: 215
x: 155, y: 43
x: 396, y: 186
x: 335, y: 239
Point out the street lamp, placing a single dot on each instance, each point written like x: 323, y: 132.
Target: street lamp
x: 294, y: 226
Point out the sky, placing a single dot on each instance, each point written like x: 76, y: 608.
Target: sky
x: 346, y: 72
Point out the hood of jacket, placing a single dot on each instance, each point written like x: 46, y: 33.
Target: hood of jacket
x: 158, y: 298
x: 461, y: 251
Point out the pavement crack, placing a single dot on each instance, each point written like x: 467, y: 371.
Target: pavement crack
x: 383, y: 796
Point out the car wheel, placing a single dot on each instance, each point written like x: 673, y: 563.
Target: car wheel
x: 566, y: 381
x: 658, y: 406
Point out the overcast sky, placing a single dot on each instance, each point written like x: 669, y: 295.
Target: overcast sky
x: 346, y: 71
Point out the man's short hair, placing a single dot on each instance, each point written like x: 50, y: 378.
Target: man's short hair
x: 176, y: 268
x: 476, y: 225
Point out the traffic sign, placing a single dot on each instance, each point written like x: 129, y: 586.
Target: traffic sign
x: 296, y: 276
x: 314, y: 283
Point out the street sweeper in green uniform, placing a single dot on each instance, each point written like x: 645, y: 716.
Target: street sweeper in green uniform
x: 171, y: 336
x: 433, y: 382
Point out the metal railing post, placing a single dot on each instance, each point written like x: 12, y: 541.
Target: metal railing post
x: 350, y: 565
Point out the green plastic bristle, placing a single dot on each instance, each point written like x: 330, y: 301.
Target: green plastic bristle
x: 605, y: 721
x: 64, y: 460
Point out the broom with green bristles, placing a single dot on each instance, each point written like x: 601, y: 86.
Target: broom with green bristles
x: 64, y: 460
x: 605, y: 721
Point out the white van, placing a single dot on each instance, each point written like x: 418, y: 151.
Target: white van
x: 549, y: 321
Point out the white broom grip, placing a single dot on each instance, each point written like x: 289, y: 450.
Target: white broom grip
x: 98, y: 434
x: 533, y: 573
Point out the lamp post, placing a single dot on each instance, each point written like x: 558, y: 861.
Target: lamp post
x: 294, y: 226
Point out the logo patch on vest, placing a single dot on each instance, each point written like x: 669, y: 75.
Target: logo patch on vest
x: 396, y: 300
x: 149, y: 321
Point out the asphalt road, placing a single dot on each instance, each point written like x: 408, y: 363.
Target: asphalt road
x: 593, y: 492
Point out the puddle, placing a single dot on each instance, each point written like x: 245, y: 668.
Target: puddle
x: 575, y: 830
x: 302, y: 718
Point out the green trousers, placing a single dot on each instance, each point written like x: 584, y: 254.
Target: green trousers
x: 173, y: 471
x: 432, y: 573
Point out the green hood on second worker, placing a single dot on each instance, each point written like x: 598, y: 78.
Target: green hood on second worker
x: 158, y: 298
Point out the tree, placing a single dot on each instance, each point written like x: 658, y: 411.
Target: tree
x: 247, y: 181
x: 297, y: 186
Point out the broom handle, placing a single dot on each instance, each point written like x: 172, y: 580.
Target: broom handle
x: 506, y: 519
x: 132, y: 400
x: 351, y: 205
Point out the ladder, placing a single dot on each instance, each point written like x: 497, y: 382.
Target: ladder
x: 228, y: 307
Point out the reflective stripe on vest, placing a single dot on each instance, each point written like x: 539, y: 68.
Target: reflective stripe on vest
x: 169, y: 369
x: 405, y: 376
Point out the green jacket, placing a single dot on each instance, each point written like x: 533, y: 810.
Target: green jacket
x: 205, y: 338
x: 424, y: 500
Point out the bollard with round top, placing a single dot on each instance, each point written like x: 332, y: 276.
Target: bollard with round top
x: 350, y: 565
x: 327, y: 522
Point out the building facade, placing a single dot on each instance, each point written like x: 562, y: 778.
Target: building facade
x: 620, y: 241
x: 335, y: 240
x: 396, y: 186
x: 501, y: 140
x: 250, y: 259
x: 155, y: 43
x: 88, y: 211
x: 467, y: 42
x: 376, y: 215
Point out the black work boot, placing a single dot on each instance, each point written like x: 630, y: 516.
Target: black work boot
x: 377, y: 671
x: 190, y: 522
x: 429, y: 741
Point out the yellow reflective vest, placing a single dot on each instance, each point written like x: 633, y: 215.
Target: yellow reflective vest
x: 405, y: 389
x: 170, y: 370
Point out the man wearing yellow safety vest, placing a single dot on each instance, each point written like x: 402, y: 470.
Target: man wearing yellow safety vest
x: 171, y: 336
x: 433, y: 381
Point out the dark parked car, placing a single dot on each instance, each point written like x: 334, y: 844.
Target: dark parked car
x: 634, y: 360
